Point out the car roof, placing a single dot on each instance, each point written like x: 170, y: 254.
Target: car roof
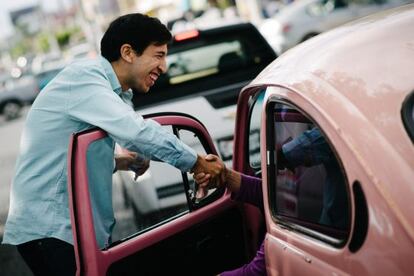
x: 361, y: 64
x: 358, y: 76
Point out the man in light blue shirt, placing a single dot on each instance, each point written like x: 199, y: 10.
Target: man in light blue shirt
x: 87, y: 94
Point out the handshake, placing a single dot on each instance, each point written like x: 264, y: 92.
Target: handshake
x: 209, y: 170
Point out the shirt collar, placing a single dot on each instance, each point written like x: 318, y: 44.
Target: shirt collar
x: 110, y: 73
x: 113, y: 80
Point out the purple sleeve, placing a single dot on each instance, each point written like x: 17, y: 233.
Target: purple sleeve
x: 250, y: 191
x: 255, y: 268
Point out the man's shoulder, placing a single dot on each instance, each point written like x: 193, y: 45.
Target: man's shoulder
x: 86, y: 64
x: 84, y: 68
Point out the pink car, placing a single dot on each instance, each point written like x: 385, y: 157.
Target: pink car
x: 351, y: 213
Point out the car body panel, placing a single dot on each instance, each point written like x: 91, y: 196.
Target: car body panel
x: 353, y: 81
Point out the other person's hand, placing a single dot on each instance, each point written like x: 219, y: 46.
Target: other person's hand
x: 205, y: 181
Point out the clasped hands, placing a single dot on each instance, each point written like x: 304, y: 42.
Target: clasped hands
x: 208, y: 172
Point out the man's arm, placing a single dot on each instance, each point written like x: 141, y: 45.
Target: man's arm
x: 93, y: 101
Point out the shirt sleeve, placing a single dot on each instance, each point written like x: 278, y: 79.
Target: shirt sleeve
x: 93, y: 101
x: 250, y: 191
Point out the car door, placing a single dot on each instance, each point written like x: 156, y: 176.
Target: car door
x: 308, y: 205
x: 204, y: 238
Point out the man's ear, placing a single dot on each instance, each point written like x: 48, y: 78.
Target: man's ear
x: 127, y: 53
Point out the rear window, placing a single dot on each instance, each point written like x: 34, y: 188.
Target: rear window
x: 211, y: 59
x: 203, y: 61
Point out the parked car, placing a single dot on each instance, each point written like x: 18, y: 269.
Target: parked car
x: 15, y: 94
x: 207, y: 69
x: 304, y: 19
x: 363, y: 106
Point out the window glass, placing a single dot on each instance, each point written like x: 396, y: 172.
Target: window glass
x: 309, y: 185
x: 159, y: 195
x: 203, y: 61
x: 254, y: 130
x: 191, y: 139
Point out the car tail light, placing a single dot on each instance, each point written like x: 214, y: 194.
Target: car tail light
x: 187, y: 35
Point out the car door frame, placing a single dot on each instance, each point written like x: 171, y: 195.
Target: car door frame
x: 284, y: 248
x: 254, y: 220
x: 89, y: 258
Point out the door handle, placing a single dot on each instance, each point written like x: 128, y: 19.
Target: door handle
x: 298, y: 253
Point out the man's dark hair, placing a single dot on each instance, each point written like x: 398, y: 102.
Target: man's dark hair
x: 136, y: 29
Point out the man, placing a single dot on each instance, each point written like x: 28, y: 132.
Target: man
x: 87, y: 94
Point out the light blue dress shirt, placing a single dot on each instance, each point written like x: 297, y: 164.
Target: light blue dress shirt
x: 84, y: 95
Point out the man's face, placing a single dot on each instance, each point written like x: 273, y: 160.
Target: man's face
x: 147, y: 67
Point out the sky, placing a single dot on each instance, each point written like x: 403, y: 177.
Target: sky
x: 9, y: 5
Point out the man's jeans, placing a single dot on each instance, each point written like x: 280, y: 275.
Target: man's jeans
x: 49, y: 256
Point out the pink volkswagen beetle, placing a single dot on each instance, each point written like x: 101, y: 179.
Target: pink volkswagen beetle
x: 349, y: 215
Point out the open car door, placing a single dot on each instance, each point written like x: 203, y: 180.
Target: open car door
x: 199, y: 238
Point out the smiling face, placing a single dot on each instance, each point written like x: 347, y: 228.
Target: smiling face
x: 143, y: 70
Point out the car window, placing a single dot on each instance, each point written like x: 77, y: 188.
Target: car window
x: 407, y: 113
x: 254, y: 130
x: 203, y: 61
x: 161, y: 194
x: 308, y: 186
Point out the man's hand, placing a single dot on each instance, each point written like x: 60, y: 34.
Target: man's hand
x: 128, y: 160
x: 232, y: 180
x: 210, y: 173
